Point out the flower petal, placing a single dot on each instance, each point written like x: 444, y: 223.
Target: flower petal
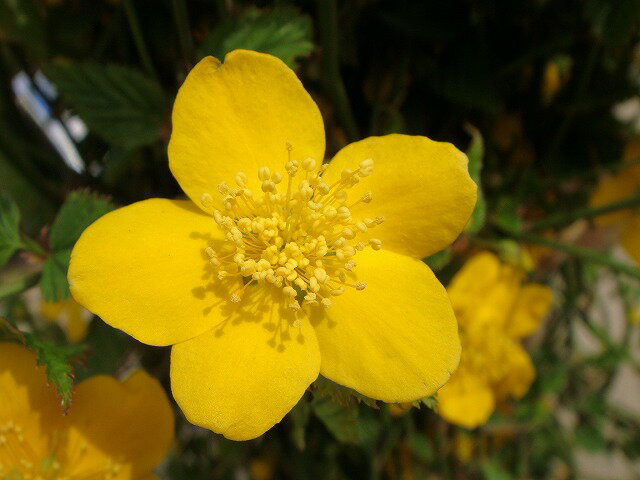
x: 130, y: 422
x: 465, y: 401
x: 244, y: 376
x: 520, y: 373
x: 630, y: 239
x: 472, y: 283
x: 23, y: 384
x: 144, y: 270
x: 532, y: 304
x: 421, y: 187
x: 613, y: 188
x: 239, y: 116
x: 396, y: 340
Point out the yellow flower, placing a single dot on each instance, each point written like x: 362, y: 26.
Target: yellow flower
x: 494, y: 310
x: 616, y: 187
x: 256, y: 285
x: 119, y: 431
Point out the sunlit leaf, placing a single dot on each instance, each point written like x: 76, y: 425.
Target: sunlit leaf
x: 120, y: 104
x: 282, y: 32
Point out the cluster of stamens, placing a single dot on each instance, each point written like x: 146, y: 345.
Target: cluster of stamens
x: 19, y: 460
x: 300, y: 238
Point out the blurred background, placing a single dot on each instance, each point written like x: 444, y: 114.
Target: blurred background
x: 543, y: 95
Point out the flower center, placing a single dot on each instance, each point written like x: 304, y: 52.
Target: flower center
x: 19, y: 460
x: 301, y: 238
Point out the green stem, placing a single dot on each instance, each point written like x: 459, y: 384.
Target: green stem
x: 332, y: 79
x: 580, y: 252
x: 136, y: 32
x: 184, y: 31
x: 18, y: 285
x: 587, y: 212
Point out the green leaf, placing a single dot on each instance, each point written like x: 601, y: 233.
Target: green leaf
x: 431, y: 402
x: 300, y: 418
x: 80, y: 210
x: 340, y: 420
x: 475, y: 153
x: 120, y: 104
x: 590, y: 438
x: 438, y: 260
x: 282, y: 32
x: 53, y: 282
x: 59, y: 360
x: 9, y: 228
x: 59, y: 363
x: 341, y: 395
x: 491, y: 470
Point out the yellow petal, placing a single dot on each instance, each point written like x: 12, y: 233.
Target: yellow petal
x: 465, y: 401
x: 244, y: 376
x: 23, y: 384
x: 613, y: 188
x: 631, y: 238
x: 130, y: 423
x: 472, y: 283
x: 421, y: 187
x: 144, y: 270
x: 396, y: 340
x: 239, y: 116
x: 531, y: 306
x: 520, y: 373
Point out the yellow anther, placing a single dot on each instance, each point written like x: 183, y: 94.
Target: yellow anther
x: 367, y: 197
x: 326, y: 302
x: 235, y: 298
x: 366, y: 167
x: 362, y: 227
x: 361, y: 286
x: 309, y: 164
x: 268, y: 186
x: 291, y: 167
x: 288, y: 290
x: 264, y: 173
x: 223, y: 188
x: 322, y: 188
x: 295, y: 306
x: 241, y: 179
x: 348, y: 233
x: 346, y: 174
x: 321, y: 275
x: 343, y: 213
x: 337, y: 292
x: 375, y: 243
x: 206, y: 200
x: 276, y: 177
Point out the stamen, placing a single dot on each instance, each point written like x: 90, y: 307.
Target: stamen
x: 303, y: 243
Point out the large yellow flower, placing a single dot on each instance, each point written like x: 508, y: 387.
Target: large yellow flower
x: 494, y: 310
x: 256, y: 285
x: 119, y: 431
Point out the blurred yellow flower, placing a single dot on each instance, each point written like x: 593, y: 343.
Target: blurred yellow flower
x: 256, y: 285
x: 495, y: 310
x: 71, y: 317
x: 117, y: 431
x: 618, y: 186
